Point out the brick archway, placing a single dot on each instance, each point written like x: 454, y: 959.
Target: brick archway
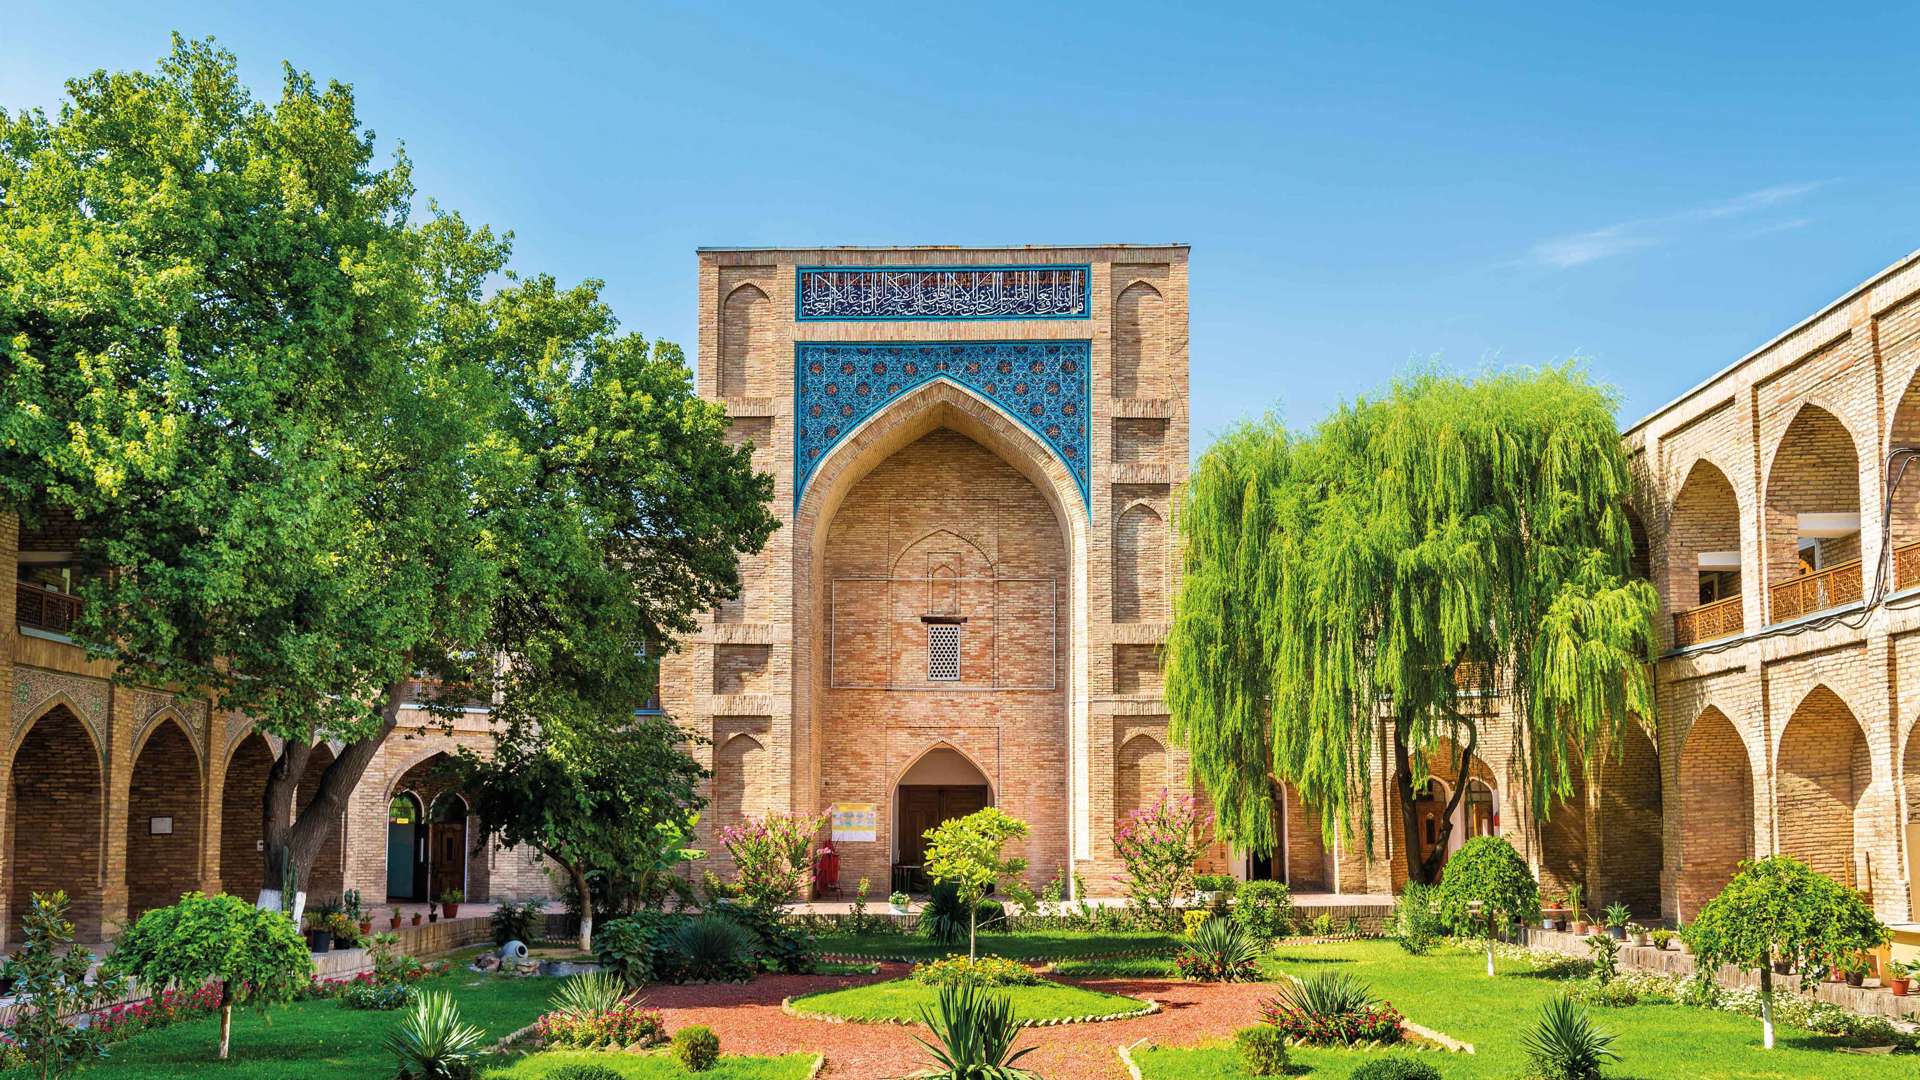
x: 1703, y: 556
x: 1716, y: 801
x: 1823, y: 769
x: 1813, y: 484
x: 1629, y: 843
x: 242, y: 804
x: 163, y: 820
x: 55, y: 821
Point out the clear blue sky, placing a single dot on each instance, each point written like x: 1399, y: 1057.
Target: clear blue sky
x: 1363, y: 189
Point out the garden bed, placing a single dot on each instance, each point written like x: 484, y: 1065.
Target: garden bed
x: 902, y: 1001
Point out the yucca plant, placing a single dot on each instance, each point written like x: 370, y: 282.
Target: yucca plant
x: 712, y: 948
x: 1326, y: 995
x: 1564, y: 1045
x: 589, y: 993
x: 1221, y: 951
x: 432, y: 1043
x: 975, y: 1030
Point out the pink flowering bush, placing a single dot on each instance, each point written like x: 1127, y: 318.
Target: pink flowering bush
x: 772, y: 857
x: 1159, y: 846
x: 130, y: 1018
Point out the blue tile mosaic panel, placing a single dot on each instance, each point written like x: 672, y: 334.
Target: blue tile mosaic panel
x: 928, y: 293
x: 1042, y: 384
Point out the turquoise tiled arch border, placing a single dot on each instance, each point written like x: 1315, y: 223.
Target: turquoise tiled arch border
x: 1044, y: 385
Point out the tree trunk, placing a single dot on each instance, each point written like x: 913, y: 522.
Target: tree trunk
x: 1403, y: 790
x: 1438, y: 856
x: 586, y: 905
x: 226, y: 1018
x: 292, y: 842
x: 973, y: 919
x: 1766, y: 1003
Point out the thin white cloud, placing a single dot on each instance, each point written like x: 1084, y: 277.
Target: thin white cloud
x: 1579, y: 249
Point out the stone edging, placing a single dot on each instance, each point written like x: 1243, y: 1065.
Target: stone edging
x: 1126, y: 1058
x: 819, y: 1063
x: 1148, y: 1008
x: 1040, y: 961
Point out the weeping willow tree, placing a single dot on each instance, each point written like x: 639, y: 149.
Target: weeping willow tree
x: 1346, y: 588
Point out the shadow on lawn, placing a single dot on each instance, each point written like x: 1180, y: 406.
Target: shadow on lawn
x: 1307, y: 958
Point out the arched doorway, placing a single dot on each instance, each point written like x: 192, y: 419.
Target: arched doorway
x: 406, y: 847
x: 1703, y: 585
x: 941, y: 786
x: 1716, y: 792
x: 242, y: 806
x: 1437, y: 820
x: 163, y: 821
x: 446, y: 845
x: 1627, y: 851
x: 1813, y: 518
x: 55, y: 824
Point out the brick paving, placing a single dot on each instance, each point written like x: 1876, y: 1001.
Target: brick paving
x: 748, y: 1019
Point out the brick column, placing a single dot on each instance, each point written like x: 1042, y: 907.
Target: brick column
x: 9, y: 575
x: 117, y: 774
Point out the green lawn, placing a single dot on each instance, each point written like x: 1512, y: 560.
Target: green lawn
x: 314, y: 1040
x: 904, y: 999
x: 656, y: 1066
x: 1122, y: 967
x: 1026, y: 945
x: 1451, y: 992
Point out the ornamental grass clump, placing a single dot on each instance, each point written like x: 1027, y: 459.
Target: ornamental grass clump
x: 596, y: 1010
x: 1220, y: 952
x: 976, y: 971
x: 1564, y: 1044
x: 975, y: 1030
x: 1332, y: 1008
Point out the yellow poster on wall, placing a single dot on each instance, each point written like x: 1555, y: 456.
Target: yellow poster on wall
x: 855, y: 822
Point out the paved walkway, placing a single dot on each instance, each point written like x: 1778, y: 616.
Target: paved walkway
x: 748, y: 1019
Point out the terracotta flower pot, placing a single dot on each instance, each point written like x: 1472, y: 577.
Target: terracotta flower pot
x: 453, y: 910
x: 416, y: 918
x: 394, y: 923
x: 1899, y: 986
x: 366, y: 927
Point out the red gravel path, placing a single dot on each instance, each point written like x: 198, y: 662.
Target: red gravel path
x: 748, y: 1019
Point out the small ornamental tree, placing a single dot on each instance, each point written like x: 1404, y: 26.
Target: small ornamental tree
x: 965, y: 852
x: 1779, y: 908
x: 1159, y: 846
x: 49, y: 976
x: 257, y: 956
x: 772, y: 857
x: 1487, y: 881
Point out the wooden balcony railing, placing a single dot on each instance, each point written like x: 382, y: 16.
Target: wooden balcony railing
x: 1906, y: 566
x: 1829, y: 588
x: 1722, y: 618
x: 44, y: 608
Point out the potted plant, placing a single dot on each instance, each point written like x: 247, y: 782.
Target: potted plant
x: 1855, y: 969
x: 416, y: 919
x: 1641, y: 935
x: 394, y: 922
x: 319, y: 937
x: 1617, y: 918
x: 898, y: 903
x: 451, y: 900
x: 1552, y: 915
x: 361, y: 917
x: 433, y: 912
x: 1661, y: 939
x: 346, y: 933
x: 1899, y: 978
x: 1577, y: 918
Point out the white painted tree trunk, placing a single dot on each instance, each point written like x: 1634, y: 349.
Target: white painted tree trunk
x: 270, y: 901
x: 226, y: 1030
x: 1489, y: 956
x: 1766, y: 1006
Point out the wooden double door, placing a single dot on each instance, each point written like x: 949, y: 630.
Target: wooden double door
x: 922, y: 807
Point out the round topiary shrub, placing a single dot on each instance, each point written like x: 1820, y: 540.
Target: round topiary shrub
x: 1264, y: 909
x: 586, y: 1072
x: 1263, y: 1050
x: 1398, y: 1067
x: 696, y: 1048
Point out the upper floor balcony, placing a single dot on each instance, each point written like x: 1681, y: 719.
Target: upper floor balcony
x: 44, y: 608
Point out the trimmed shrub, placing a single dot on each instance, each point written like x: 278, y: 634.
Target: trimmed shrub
x: 1398, y: 1067
x: 982, y: 971
x: 1264, y: 909
x: 1263, y: 1050
x: 696, y: 1048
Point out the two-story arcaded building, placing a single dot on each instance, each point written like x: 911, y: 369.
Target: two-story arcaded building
x: 977, y: 455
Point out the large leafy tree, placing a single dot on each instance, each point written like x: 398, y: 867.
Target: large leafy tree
x: 1346, y: 586
x: 318, y: 457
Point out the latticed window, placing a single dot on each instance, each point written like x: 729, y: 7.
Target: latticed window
x: 943, y: 653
